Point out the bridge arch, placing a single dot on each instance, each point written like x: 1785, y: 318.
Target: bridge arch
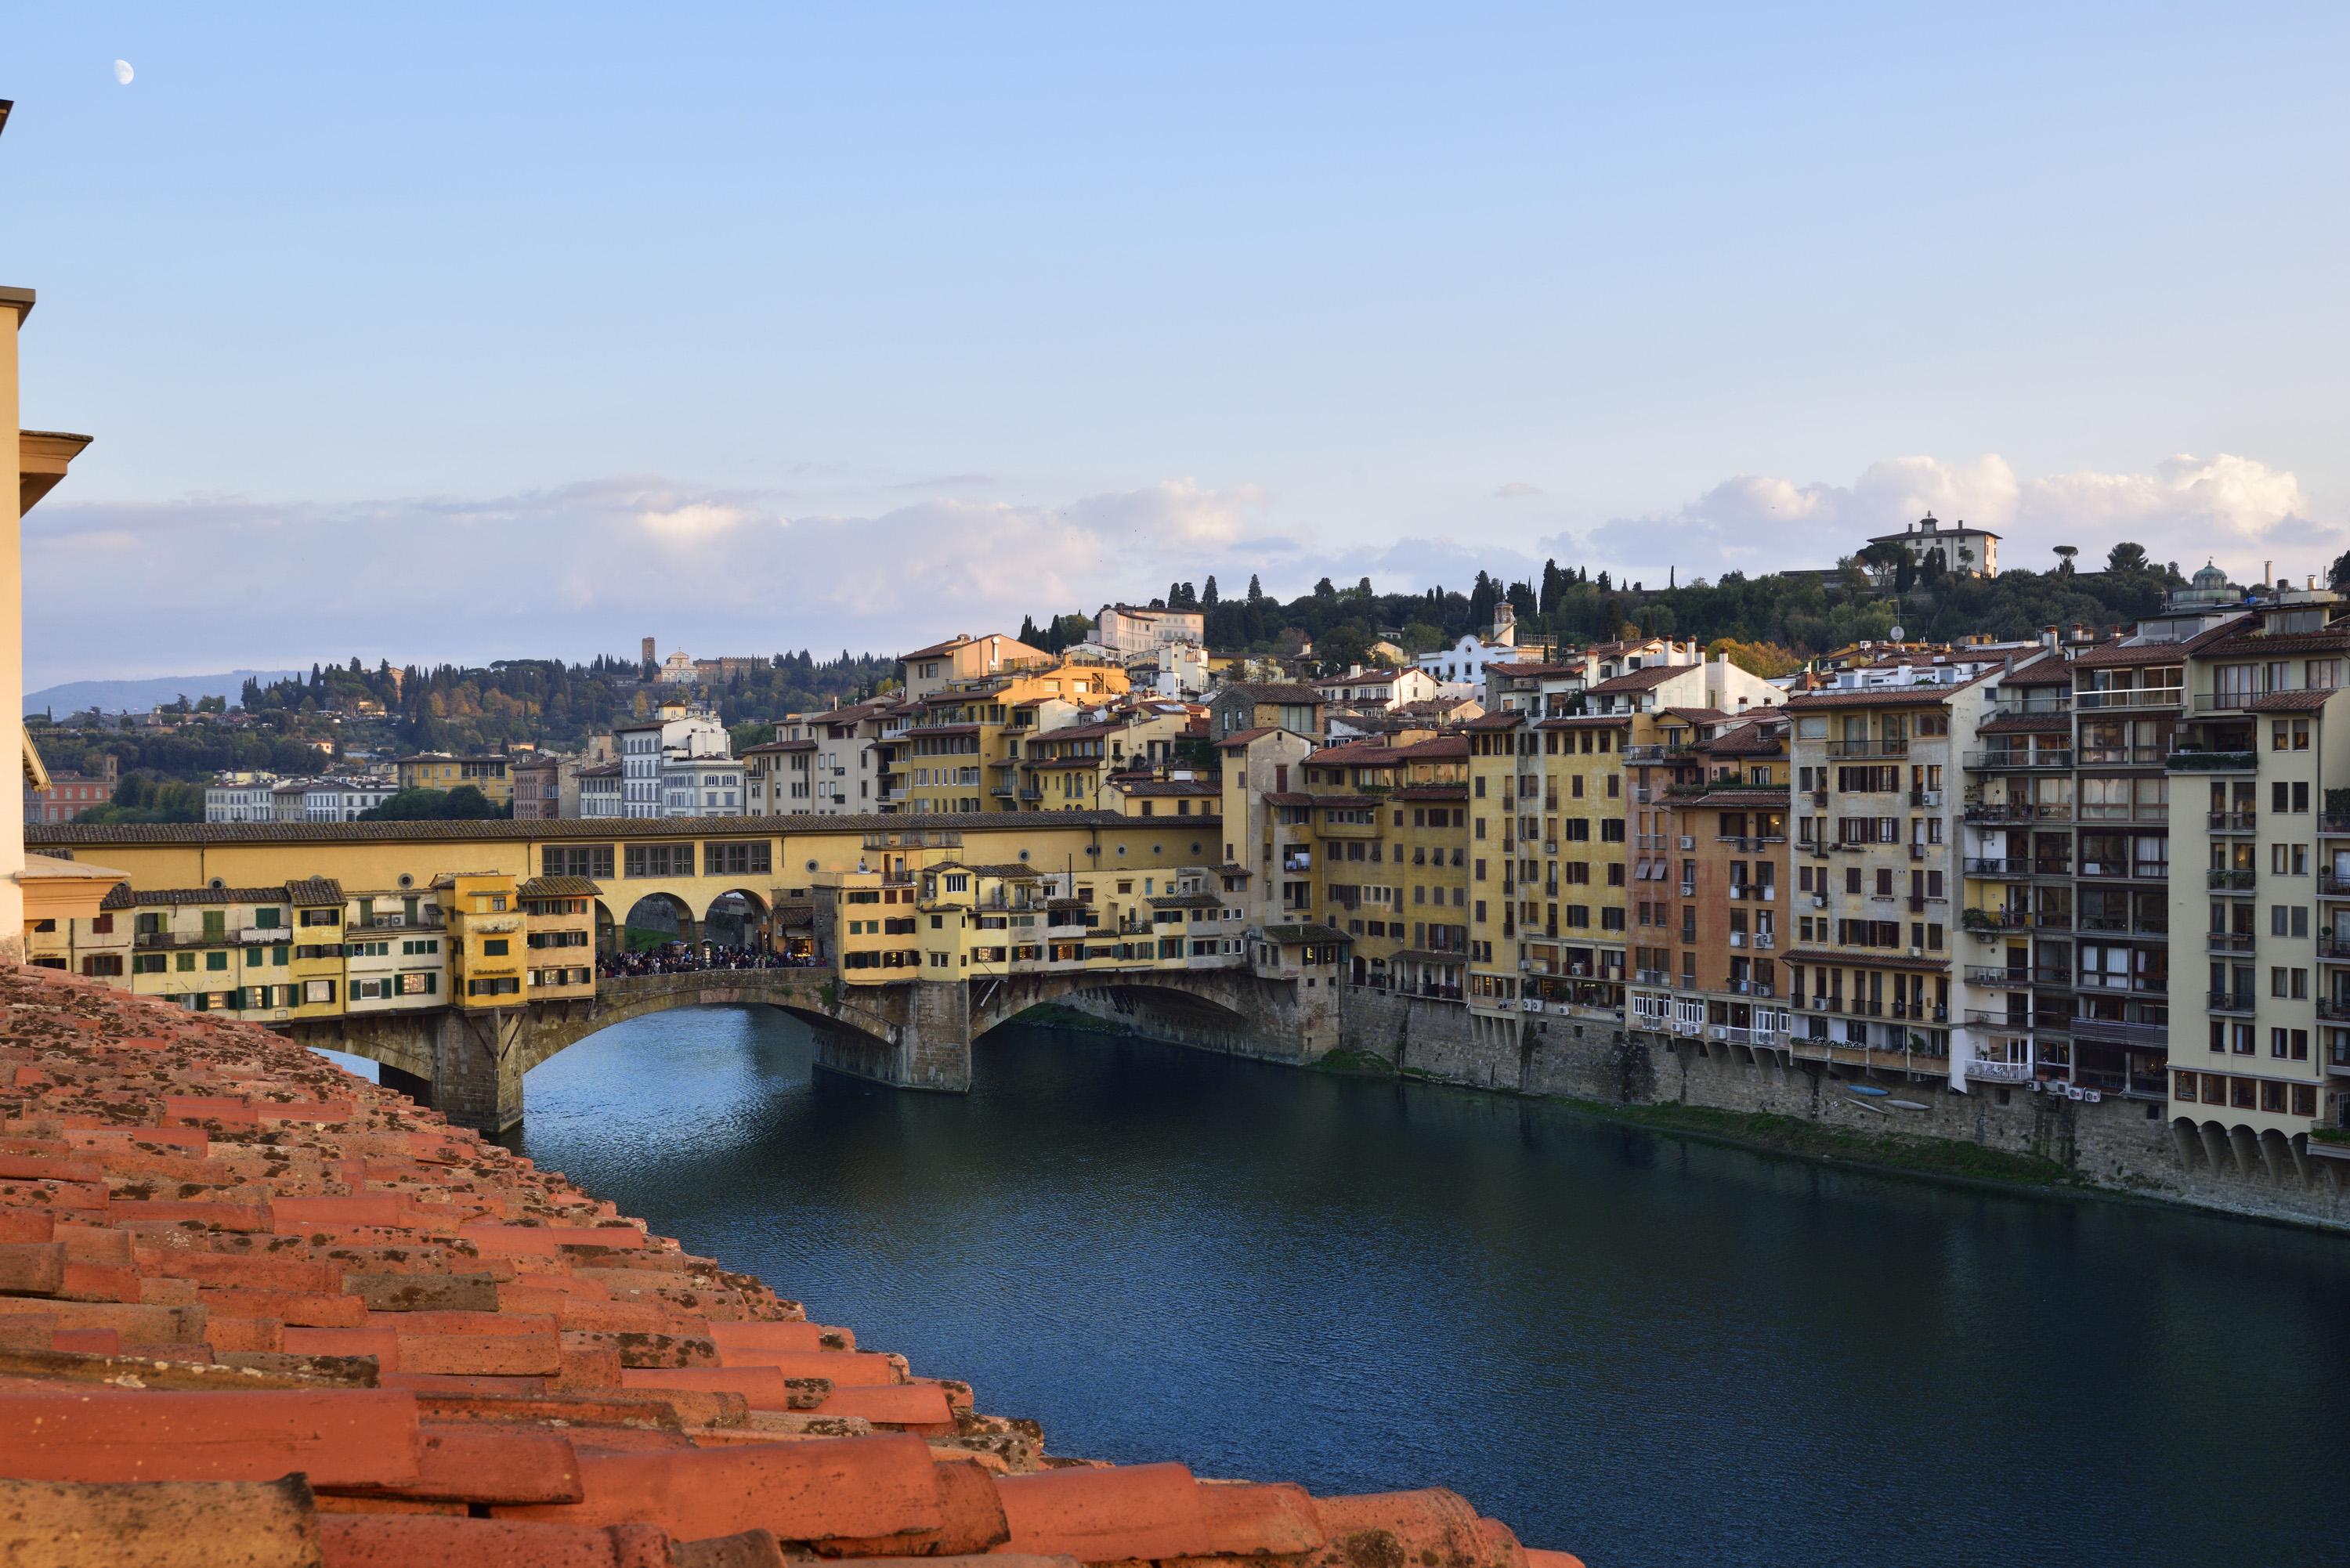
x: 658, y: 917
x: 738, y: 917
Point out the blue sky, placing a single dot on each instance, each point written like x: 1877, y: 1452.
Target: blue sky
x: 462, y: 332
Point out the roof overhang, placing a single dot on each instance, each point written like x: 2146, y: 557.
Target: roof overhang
x: 42, y: 459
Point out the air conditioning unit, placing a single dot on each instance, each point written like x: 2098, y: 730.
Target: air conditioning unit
x: 399, y: 920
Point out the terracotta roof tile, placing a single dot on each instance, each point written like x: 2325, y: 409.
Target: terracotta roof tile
x: 472, y: 1361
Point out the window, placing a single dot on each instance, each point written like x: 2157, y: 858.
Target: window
x: 754, y: 860
x: 318, y: 990
x: 493, y: 947
x: 659, y: 860
x: 577, y: 860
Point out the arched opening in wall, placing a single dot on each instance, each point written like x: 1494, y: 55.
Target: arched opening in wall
x: 656, y: 920
x: 1155, y: 1012
x: 607, y: 933
x: 737, y: 919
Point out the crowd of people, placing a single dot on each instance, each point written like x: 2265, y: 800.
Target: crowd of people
x: 694, y: 958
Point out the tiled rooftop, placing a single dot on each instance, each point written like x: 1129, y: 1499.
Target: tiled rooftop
x: 255, y: 1310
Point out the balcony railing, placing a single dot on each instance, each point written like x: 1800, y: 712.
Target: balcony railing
x: 2332, y: 946
x: 2131, y: 697
x: 2237, y: 878
x: 1997, y: 812
x: 1993, y: 865
x: 2120, y: 1031
x: 2198, y: 762
x: 2229, y: 1001
x: 1879, y: 748
x: 2012, y: 758
x: 2333, y: 884
x: 2234, y: 821
x: 2237, y: 942
x: 2334, y: 1008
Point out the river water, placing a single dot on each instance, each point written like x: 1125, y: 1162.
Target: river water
x: 1641, y: 1349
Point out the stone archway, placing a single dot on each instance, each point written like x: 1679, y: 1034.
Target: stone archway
x: 607, y: 930
x: 658, y: 919
x: 737, y: 918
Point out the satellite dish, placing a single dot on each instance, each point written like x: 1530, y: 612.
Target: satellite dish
x: 1897, y: 634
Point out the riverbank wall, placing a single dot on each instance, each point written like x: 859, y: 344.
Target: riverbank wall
x: 2116, y: 1145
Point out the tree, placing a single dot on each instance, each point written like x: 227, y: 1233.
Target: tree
x: 1904, y: 574
x: 1325, y: 591
x: 2065, y: 554
x: 2126, y: 559
x: 1208, y: 593
x: 2337, y: 577
x: 1255, y: 593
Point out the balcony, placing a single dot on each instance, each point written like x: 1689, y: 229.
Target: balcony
x: 2131, y: 697
x: 2195, y: 762
x: 2333, y: 821
x: 2232, y: 879
x: 1998, y: 868
x: 2038, y: 702
x: 2009, y: 759
x: 1988, y: 922
x: 1879, y: 748
x: 2120, y: 1031
x: 2239, y: 942
x: 2231, y: 1002
x: 2334, y: 947
x: 2127, y: 871
x: 2122, y: 756
x: 1993, y: 974
x: 2334, y: 1009
x: 2017, y: 812
x: 2333, y: 884
x: 1990, y: 1072
x: 2234, y: 821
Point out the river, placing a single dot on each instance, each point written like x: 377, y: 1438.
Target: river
x: 1636, y: 1347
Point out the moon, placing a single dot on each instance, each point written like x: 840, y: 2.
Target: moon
x: 122, y: 72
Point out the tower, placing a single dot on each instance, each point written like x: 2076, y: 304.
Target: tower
x: 648, y: 650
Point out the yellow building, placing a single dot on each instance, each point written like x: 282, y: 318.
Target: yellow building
x: 318, y: 966
x: 929, y: 913
x: 486, y: 938
x: 441, y: 771
x: 559, y: 937
x: 956, y: 750
x: 210, y: 950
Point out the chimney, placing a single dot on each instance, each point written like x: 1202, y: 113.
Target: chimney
x: 2267, y: 573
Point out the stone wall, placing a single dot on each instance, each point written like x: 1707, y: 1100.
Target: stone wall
x: 2114, y: 1143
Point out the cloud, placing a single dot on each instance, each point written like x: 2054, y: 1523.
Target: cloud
x: 591, y: 566
x: 1517, y: 488
x: 2181, y: 510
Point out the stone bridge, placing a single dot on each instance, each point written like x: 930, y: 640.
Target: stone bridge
x: 911, y: 1034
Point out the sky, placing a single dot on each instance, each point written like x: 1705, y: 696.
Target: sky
x: 466, y: 332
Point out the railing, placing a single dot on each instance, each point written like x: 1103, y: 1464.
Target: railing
x: 2197, y: 762
x: 2331, y: 945
x: 2024, y: 811
x: 2333, y: 884
x: 1992, y: 974
x: 2131, y: 697
x: 2333, y: 821
x: 2140, y: 984
x: 1878, y: 748
x: 2122, y: 926
x: 2241, y: 943
x: 2038, y: 702
x: 2017, y: 757
x: 2237, y: 878
x: 2119, y: 1031
x: 2123, y: 756
x: 2127, y: 871
x: 2333, y: 1008
x: 1986, y: 920
x: 2234, y: 697
x: 1993, y: 865
x: 2229, y: 1002
x: 1992, y: 1072
x: 2234, y: 821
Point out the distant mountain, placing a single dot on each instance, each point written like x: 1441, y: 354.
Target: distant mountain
x: 138, y: 696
